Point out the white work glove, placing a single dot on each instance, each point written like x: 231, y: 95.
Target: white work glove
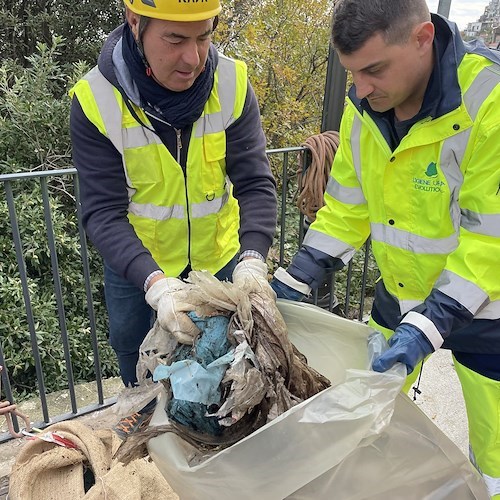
x: 250, y: 276
x: 167, y: 297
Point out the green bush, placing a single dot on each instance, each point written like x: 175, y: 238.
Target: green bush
x: 14, y: 329
x: 34, y: 134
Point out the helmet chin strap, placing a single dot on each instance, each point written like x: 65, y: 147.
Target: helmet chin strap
x: 149, y: 71
x: 143, y: 23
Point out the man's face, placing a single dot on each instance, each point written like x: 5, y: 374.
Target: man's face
x: 391, y: 76
x: 177, y: 51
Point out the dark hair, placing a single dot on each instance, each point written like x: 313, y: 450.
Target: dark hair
x: 355, y: 21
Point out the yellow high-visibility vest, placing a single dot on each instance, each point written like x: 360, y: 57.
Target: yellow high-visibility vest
x: 180, y: 217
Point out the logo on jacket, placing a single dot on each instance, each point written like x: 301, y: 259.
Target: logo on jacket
x: 430, y: 183
x: 431, y: 170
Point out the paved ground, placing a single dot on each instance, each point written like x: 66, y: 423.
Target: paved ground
x: 441, y: 399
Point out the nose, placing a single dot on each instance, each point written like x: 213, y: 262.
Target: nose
x: 363, y: 87
x: 191, y: 55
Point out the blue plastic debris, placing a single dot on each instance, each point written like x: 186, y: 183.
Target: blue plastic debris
x: 196, y: 373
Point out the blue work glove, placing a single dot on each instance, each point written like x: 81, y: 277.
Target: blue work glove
x: 408, y: 345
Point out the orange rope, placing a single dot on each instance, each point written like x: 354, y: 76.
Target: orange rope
x: 312, y: 182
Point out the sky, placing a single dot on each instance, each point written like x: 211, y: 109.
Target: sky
x: 462, y: 11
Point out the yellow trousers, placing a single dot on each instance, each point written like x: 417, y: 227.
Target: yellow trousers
x: 482, y: 402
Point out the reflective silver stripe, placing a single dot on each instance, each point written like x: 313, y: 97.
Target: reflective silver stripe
x: 482, y: 86
x: 111, y: 115
x: 350, y: 195
x: 356, y: 146
x: 217, y: 122
x: 489, y: 311
x: 452, y: 152
x: 329, y: 245
x: 155, y: 212
x: 427, y: 326
x: 453, y: 148
x: 138, y: 136
x: 492, y: 484
x: 408, y: 305
x: 209, y: 207
x: 412, y: 242
x: 463, y: 291
x: 486, y: 224
x: 108, y: 107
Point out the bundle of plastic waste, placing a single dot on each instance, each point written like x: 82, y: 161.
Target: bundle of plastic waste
x: 239, y: 373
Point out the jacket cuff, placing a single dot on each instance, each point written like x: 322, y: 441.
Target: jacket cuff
x: 426, y: 326
x: 286, y: 278
x: 257, y: 242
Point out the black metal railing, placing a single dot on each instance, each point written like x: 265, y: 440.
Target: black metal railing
x: 290, y: 232
x: 42, y: 177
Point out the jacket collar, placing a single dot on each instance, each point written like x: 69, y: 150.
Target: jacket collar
x: 105, y: 60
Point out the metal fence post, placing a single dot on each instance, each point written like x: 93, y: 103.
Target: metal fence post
x: 335, y: 87
x: 444, y: 8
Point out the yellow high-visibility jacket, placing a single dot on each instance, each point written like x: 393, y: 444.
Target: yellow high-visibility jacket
x: 431, y: 206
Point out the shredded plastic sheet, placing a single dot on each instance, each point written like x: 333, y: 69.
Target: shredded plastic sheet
x: 241, y: 372
x: 361, y: 438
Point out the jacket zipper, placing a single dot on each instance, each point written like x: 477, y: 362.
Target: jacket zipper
x: 184, y: 170
x: 179, y: 147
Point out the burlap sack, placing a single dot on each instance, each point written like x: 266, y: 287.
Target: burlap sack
x: 46, y: 471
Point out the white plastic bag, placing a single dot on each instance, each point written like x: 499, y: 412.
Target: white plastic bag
x: 339, y: 444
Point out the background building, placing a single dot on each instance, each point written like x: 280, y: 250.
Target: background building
x: 487, y: 27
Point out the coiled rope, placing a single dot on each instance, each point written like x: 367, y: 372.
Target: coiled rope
x: 312, y: 177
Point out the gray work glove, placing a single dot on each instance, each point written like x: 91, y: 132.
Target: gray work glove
x: 250, y: 276
x: 168, y: 297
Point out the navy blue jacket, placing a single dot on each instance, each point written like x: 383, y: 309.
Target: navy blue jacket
x: 103, y: 186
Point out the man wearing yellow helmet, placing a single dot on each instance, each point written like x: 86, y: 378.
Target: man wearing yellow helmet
x: 172, y: 168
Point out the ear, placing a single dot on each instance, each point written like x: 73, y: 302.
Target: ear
x: 424, y: 36
x: 133, y: 22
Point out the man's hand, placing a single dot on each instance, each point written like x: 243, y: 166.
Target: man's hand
x: 408, y: 345
x: 163, y: 297
x: 6, y: 407
x: 250, y: 275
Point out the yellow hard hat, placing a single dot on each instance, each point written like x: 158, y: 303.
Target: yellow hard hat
x: 175, y: 10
